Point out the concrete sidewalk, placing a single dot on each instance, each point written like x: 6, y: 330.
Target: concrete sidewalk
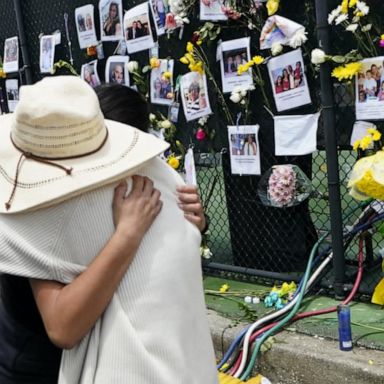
x: 299, y: 359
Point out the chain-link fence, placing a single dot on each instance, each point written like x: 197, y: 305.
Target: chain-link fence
x: 245, y: 236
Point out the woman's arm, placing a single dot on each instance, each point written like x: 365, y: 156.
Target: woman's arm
x: 70, y: 311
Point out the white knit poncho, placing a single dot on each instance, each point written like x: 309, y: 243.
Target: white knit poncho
x: 154, y: 331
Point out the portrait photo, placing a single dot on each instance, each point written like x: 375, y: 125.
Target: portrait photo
x: 116, y: 70
x: 85, y: 26
x: 212, y: 10
x: 11, y: 55
x: 159, y: 9
x: 244, y: 149
x: 233, y: 54
x: 288, y: 80
x: 194, y: 96
x: 89, y: 73
x: 111, y: 16
x: 369, y: 86
x: 137, y: 29
x: 12, y: 91
x: 162, y: 83
x: 47, y: 53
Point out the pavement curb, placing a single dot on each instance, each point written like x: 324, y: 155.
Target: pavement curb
x: 299, y: 359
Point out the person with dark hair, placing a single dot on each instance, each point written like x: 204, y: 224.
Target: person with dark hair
x: 111, y: 25
x: 99, y: 309
x: 81, y: 23
x: 298, y: 74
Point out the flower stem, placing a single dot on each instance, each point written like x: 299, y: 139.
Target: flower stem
x: 260, y: 82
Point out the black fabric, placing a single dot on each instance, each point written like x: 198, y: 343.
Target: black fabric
x: 26, y: 353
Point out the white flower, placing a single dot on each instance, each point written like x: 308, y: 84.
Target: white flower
x: 132, y: 66
x: 237, y: 89
x: 205, y: 252
x: 317, y: 56
x: 165, y: 124
x: 251, y: 26
x: 243, y: 92
x: 276, y: 49
x: 362, y: 7
x: 366, y: 28
x: 251, y: 87
x: 186, y: 20
x: 298, y: 38
x: 242, y: 102
x: 341, y: 18
x: 235, y: 97
x: 332, y: 16
x: 352, y: 27
x: 152, y: 117
x: 203, y: 120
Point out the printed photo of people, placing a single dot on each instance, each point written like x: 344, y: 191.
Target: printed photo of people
x: 47, y: 53
x: 89, y: 74
x: 370, y: 89
x: 85, y: 26
x: 111, y: 16
x: 159, y: 10
x: 12, y: 90
x: 288, y: 80
x: 212, y: 10
x: 243, y: 149
x: 194, y: 96
x: 137, y: 29
x: 162, y: 83
x: 116, y: 70
x: 11, y: 55
x: 235, y: 53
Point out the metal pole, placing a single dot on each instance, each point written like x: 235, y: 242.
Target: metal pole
x: 23, y: 42
x: 331, y: 150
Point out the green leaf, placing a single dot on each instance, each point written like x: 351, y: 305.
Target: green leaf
x: 338, y: 59
x: 146, y: 69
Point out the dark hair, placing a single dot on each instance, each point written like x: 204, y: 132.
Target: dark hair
x: 123, y: 104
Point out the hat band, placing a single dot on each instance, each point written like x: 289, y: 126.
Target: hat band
x: 44, y: 160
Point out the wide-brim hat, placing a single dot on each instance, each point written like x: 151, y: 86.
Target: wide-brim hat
x: 57, y: 145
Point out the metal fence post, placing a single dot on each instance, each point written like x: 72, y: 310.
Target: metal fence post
x: 23, y: 42
x: 331, y: 150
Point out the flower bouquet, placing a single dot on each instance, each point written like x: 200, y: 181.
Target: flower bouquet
x: 283, y: 186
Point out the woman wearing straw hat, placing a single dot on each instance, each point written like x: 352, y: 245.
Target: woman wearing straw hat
x: 59, y: 164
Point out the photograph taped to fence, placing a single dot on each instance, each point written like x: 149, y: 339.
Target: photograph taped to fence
x: 244, y: 149
x: 12, y: 90
x: 194, y: 95
x: 85, y: 26
x: 47, y: 53
x: 233, y: 54
x: 116, y: 70
x: 212, y: 10
x: 288, y: 80
x: 162, y: 83
x: 369, y: 85
x: 89, y: 74
x: 11, y: 55
x: 137, y: 29
x: 111, y: 16
x: 159, y: 11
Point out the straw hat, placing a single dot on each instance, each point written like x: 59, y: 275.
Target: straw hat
x: 57, y: 145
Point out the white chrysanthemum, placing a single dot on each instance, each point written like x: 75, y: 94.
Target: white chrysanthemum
x: 276, y: 49
x: 332, y: 16
x: 341, y: 18
x: 235, y: 97
x: 362, y: 7
x: 165, y: 124
x: 318, y: 56
x: 203, y: 120
x: 298, y: 39
x: 366, y: 28
x: 352, y: 27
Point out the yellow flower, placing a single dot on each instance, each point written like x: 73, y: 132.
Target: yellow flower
x: 154, y: 62
x: 173, y: 162
x: 359, y: 14
x: 190, y: 47
x: 244, y: 67
x: 347, y: 71
x: 167, y: 75
x: 356, y: 145
x: 197, y: 67
x: 352, y: 3
x: 2, y: 73
x: 344, y: 6
x: 365, y: 142
x: 272, y: 6
x: 382, y: 37
x: 199, y: 42
x: 224, y: 288
x: 258, y: 60
x: 376, y: 135
x: 190, y: 58
x: 184, y: 60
